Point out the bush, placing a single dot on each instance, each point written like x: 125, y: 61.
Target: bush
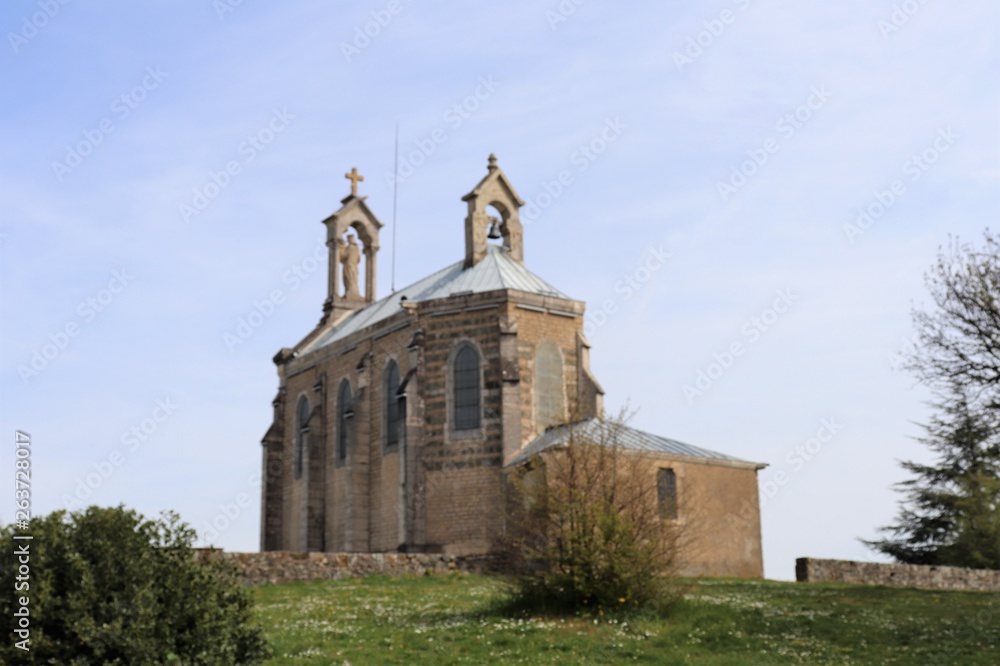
x: 110, y: 587
x: 583, y: 529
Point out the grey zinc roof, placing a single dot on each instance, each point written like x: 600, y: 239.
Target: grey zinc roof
x: 601, y: 432
x: 496, y: 271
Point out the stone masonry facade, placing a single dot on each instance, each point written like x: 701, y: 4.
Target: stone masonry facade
x: 275, y: 568
x: 810, y: 570
x: 337, y: 479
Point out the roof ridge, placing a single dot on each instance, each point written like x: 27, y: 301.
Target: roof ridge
x: 629, y: 438
x: 498, y: 271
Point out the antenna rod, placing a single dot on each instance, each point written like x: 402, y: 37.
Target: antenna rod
x: 395, y: 188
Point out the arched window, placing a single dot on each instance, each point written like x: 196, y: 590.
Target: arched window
x: 393, y: 413
x: 301, y: 432
x: 550, y: 390
x: 466, y: 389
x: 344, y: 414
x: 666, y: 493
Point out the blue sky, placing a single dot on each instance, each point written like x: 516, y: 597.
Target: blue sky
x: 741, y: 137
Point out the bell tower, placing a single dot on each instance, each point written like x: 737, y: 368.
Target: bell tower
x: 351, y: 234
x: 494, y: 190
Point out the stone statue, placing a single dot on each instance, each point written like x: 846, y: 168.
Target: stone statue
x: 350, y: 258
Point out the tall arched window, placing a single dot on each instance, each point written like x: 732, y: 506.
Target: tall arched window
x: 344, y: 415
x: 301, y: 432
x: 550, y: 389
x: 393, y: 413
x: 466, y: 389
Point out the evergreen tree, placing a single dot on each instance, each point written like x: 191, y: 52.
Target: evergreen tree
x: 951, y: 511
x: 951, y: 514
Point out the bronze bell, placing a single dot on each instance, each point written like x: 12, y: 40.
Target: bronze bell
x: 494, y: 233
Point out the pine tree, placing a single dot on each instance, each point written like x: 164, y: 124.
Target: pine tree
x: 951, y: 511
x: 951, y: 514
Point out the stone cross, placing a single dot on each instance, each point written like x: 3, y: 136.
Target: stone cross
x: 355, y: 178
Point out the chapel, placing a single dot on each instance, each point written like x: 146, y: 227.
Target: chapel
x: 397, y: 418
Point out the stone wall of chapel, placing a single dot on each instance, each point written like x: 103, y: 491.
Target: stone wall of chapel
x: 461, y: 495
x: 721, y: 507
x: 532, y: 328
x: 359, y: 500
x: 386, y: 483
x: 718, y: 518
x: 272, y: 492
x: 458, y: 497
x: 294, y: 489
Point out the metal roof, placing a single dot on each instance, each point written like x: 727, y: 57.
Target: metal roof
x: 495, y: 272
x: 598, y: 431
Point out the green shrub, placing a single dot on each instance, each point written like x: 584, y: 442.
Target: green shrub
x: 583, y: 530
x: 110, y: 587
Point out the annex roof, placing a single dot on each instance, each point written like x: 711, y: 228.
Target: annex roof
x: 497, y: 271
x: 602, y: 432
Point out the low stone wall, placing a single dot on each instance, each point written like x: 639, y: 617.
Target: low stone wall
x: 285, y: 567
x: 809, y: 570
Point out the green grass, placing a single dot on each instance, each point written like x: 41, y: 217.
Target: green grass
x: 459, y: 620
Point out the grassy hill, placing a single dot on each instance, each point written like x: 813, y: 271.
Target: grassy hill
x: 456, y: 620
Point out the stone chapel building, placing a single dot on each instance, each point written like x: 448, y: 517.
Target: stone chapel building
x: 396, y: 417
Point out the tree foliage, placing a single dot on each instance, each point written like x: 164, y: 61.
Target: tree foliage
x: 583, y: 528
x: 107, y: 586
x: 958, y: 342
x: 951, y: 511
x: 951, y: 514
